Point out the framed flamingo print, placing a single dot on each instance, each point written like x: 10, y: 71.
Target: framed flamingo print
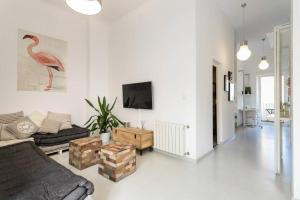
x: 41, y: 63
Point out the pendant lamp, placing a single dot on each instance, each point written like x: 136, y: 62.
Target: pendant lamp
x: 86, y: 7
x: 244, y: 52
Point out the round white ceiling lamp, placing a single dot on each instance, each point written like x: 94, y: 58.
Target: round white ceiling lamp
x: 263, y: 65
x: 86, y: 7
x: 244, y: 52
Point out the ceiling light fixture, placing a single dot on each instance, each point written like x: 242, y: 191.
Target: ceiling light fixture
x: 263, y: 65
x: 244, y: 52
x: 86, y: 7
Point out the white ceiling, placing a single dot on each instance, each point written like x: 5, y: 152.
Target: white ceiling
x: 113, y: 9
x: 261, y: 15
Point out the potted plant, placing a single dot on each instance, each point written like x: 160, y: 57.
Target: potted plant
x: 103, y: 120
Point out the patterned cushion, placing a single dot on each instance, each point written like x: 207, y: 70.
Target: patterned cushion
x: 5, y: 135
x: 12, y: 117
x: 65, y: 119
x: 23, y: 128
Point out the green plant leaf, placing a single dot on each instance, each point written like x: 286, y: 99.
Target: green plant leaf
x: 104, y: 121
x: 117, y: 119
x: 104, y: 102
x: 89, y: 120
x: 91, y: 105
x: 112, y: 107
x: 94, y: 127
x: 90, y: 124
x: 101, y: 105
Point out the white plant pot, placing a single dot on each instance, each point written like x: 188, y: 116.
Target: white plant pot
x: 105, y: 137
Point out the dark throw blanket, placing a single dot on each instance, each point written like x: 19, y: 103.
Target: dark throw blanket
x: 62, y: 137
x: 26, y: 173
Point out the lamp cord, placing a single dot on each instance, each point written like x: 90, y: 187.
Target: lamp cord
x: 244, y: 20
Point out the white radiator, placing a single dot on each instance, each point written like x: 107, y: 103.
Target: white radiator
x: 170, y: 138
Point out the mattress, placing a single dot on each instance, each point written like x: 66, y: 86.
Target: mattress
x: 62, y: 137
x: 16, y: 141
x: 27, y: 173
x: 54, y: 149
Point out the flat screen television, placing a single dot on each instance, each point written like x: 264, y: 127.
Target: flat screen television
x: 137, y: 95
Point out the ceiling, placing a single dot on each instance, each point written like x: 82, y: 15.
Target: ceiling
x: 114, y: 9
x: 261, y: 15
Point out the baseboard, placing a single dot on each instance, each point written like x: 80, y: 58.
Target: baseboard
x: 228, y: 140
x: 175, y: 156
x: 204, y: 156
x: 190, y: 159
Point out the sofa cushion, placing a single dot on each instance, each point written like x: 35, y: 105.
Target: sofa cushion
x: 50, y: 126
x: 22, y: 128
x: 65, y: 119
x: 63, y: 136
x: 37, y: 118
x: 5, y: 135
x: 12, y: 117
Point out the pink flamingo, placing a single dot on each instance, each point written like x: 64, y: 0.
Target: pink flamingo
x: 45, y: 59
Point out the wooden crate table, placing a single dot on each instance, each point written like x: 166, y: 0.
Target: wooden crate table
x: 117, y: 161
x: 140, y: 138
x: 83, y: 152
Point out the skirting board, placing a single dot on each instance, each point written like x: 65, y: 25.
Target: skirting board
x: 202, y: 157
x: 175, y: 156
x: 184, y: 158
x: 198, y: 159
x: 228, y: 140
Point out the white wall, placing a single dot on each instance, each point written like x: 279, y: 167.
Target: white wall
x: 171, y: 48
x: 215, y: 41
x: 296, y: 99
x: 98, y: 54
x: 58, y: 21
x: 156, y: 43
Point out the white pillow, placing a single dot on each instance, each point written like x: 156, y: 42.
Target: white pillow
x: 37, y: 118
x: 64, y: 118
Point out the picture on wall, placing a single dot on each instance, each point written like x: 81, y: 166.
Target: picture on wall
x: 226, y: 83
x: 41, y: 63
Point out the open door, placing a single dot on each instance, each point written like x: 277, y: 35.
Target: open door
x: 215, y: 111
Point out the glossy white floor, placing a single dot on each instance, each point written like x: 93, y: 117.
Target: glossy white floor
x: 239, y: 170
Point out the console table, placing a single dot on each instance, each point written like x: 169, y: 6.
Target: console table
x: 140, y: 138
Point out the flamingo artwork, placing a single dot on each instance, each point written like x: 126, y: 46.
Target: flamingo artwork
x: 50, y: 62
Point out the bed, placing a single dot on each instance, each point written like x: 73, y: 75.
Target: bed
x: 27, y: 173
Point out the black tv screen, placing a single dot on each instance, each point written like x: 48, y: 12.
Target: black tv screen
x: 138, y: 95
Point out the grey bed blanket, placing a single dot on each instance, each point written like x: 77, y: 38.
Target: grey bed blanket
x: 27, y: 173
x: 62, y: 137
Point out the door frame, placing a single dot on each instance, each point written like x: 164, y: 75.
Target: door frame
x: 220, y: 92
x: 278, y: 93
x: 214, y: 67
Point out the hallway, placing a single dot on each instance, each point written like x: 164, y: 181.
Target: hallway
x: 239, y: 170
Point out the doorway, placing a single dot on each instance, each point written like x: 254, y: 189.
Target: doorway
x: 267, y: 96
x: 215, y: 111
